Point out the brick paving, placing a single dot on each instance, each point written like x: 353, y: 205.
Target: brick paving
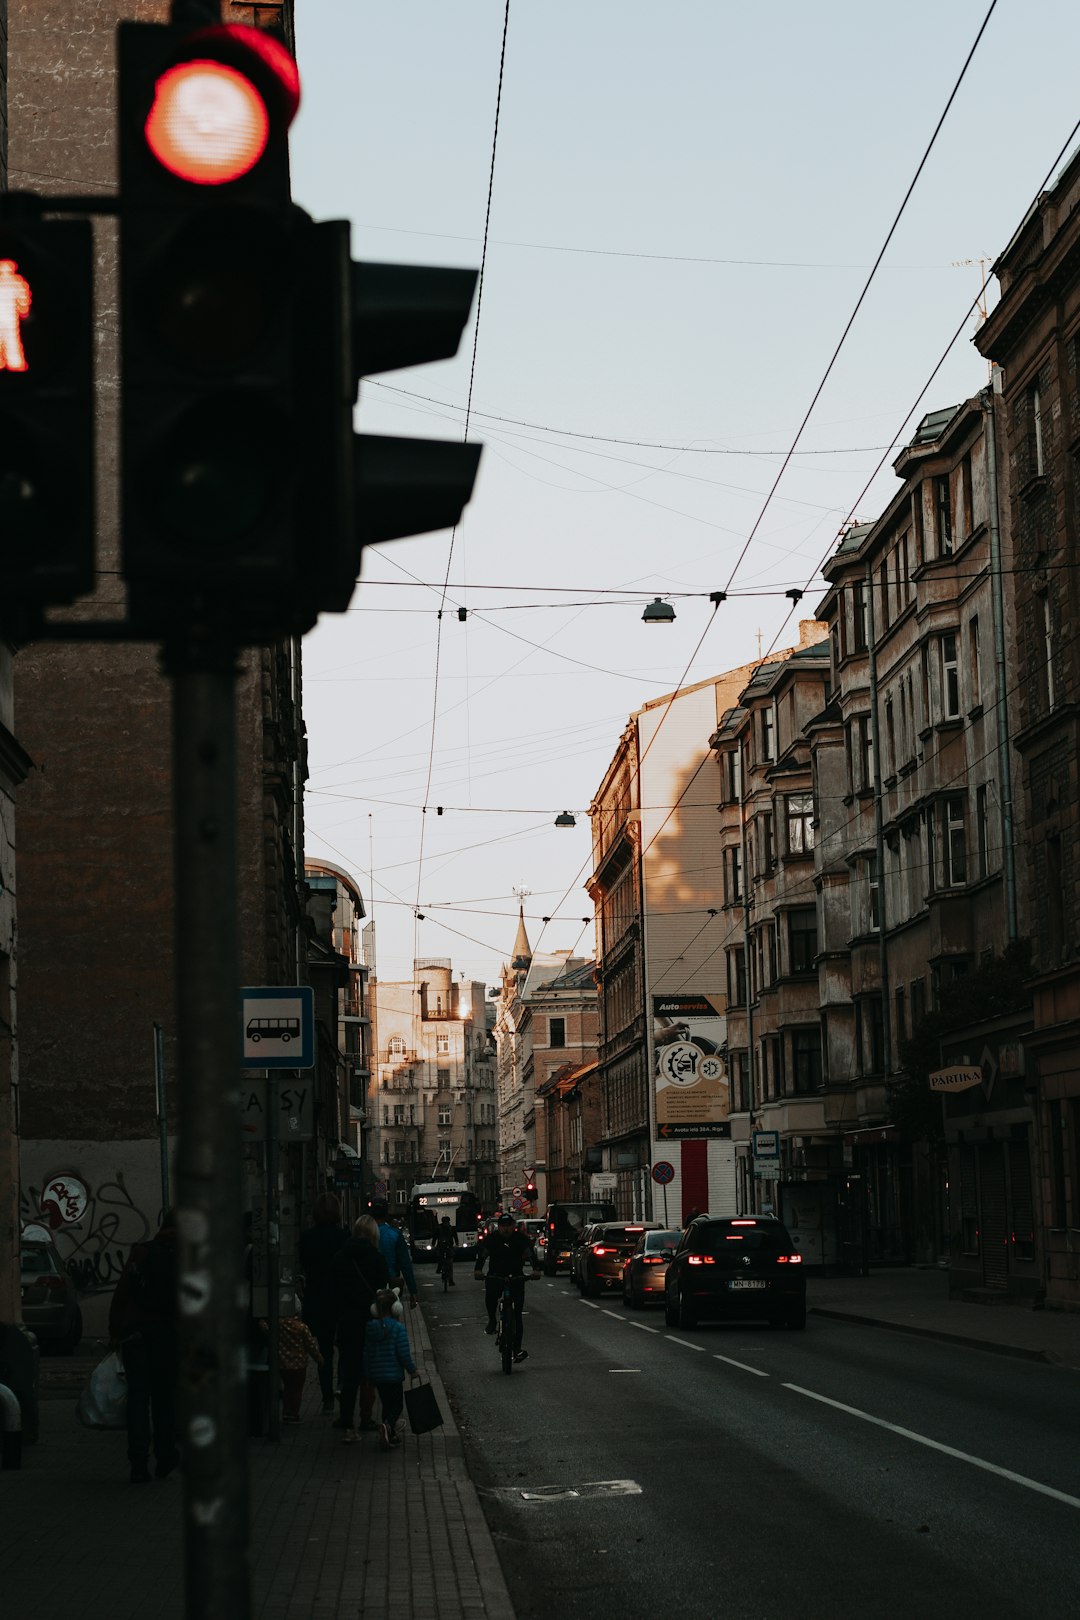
x: 338, y: 1532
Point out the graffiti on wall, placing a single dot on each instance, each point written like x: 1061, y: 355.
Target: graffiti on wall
x: 94, y: 1231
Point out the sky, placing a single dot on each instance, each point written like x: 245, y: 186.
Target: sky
x: 686, y: 204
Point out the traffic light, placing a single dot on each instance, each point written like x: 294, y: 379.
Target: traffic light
x: 210, y: 290
x: 46, y: 415
x: 370, y: 318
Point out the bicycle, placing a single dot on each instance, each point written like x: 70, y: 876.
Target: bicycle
x: 504, y: 1324
x: 445, y: 1269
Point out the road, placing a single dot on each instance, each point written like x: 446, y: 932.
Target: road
x: 746, y: 1473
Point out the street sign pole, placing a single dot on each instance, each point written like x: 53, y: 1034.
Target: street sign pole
x: 273, y: 1258
x: 212, y: 1424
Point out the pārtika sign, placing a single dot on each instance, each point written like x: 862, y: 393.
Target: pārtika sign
x: 961, y: 1079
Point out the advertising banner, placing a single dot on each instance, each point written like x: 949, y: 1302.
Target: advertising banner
x: 693, y: 1096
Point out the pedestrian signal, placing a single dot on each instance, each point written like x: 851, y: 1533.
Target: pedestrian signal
x: 46, y: 417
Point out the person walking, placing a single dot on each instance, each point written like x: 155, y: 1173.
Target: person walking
x: 387, y: 1358
x: 296, y: 1343
x: 360, y: 1272
x: 320, y: 1244
x: 445, y: 1249
x: 142, y: 1321
x: 395, y: 1251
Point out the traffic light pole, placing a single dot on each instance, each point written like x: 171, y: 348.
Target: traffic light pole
x: 212, y: 1425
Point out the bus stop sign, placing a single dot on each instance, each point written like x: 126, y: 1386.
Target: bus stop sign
x: 278, y: 1027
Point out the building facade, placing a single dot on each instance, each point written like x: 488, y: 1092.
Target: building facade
x: 545, y: 1025
x: 433, y: 1113
x: 1033, y: 337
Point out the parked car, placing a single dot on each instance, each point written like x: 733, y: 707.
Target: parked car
x: 50, y: 1305
x: 599, y: 1260
x: 735, y: 1267
x: 645, y: 1272
x: 565, y: 1225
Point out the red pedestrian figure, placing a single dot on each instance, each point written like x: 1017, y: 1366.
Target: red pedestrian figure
x: 15, y: 300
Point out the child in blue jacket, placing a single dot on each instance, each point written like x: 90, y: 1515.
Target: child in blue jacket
x: 387, y: 1358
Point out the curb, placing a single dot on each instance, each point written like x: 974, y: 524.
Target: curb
x: 1020, y: 1351
x: 496, y: 1594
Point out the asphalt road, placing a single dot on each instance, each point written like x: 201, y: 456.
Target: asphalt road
x: 750, y: 1474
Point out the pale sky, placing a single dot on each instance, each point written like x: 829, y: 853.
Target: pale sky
x: 687, y: 200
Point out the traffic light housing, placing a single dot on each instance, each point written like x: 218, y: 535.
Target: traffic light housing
x: 46, y: 415
x: 373, y: 318
x: 210, y: 288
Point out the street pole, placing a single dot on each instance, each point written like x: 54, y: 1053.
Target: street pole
x: 211, y: 1407
x: 163, y: 1118
x: 273, y: 1259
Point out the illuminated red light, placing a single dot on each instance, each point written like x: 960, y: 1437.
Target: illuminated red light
x: 15, y: 301
x: 598, y: 1248
x: 789, y: 1259
x: 651, y: 1260
x: 744, y: 1223
x: 701, y: 1259
x: 208, y: 123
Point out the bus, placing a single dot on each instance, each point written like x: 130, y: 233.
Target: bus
x: 430, y: 1201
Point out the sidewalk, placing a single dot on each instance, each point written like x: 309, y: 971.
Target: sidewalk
x: 916, y: 1300
x: 338, y: 1532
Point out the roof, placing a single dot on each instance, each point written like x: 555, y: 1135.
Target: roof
x: 933, y: 425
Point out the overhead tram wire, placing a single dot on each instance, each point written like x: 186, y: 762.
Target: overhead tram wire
x: 866, y: 288
x: 468, y: 413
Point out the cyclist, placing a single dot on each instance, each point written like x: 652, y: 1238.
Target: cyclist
x: 445, y: 1244
x: 505, y: 1251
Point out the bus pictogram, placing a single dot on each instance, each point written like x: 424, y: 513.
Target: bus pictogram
x: 273, y: 1029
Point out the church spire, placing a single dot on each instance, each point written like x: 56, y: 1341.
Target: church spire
x: 522, y: 954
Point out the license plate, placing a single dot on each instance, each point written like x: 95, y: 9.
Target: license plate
x: 745, y: 1282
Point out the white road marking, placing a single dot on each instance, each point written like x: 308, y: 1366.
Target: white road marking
x: 589, y: 1303
x: 624, y: 1369
x: 616, y: 1314
x: 686, y: 1343
x: 936, y: 1445
x: 742, y: 1366
x: 644, y: 1326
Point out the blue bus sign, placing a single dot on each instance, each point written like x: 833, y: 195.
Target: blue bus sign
x: 278, y: 1027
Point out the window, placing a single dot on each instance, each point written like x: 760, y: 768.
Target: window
x: 399, y: 1113
x: 732, y: 777
x: 806, y: 1059
x: 733, y: 874
x: 1048, y: 645
x: 737, y: 976
x: 931, y: 851
x: 864, y: 754
x: 444, y: 1147
x: 768, y: 733
x: 982, y: 828
x: 556, y: 1031
x: 396, y: 1049
x: 765, y: 842
x: 924, y: 685
x: 974, y: 663
x: 903, y: 565
x: 890, y: 739
x: 901, y: 1014
x: 873, y: 900
x: 968, y: 514
x: 955, y: 847
x: 917, y: 525
x: 950, y: 679
x: 943, y: 517
x: 442, y: 1042
x: 444, y: 1113
x: 442, y: 1077
x: 1038, y: 464
x: 802, y: 939
x: 883, y: 594
x: 877, y: 1035
x: 918, y: 1003
x: 858, y: 606
x: 799, y: 817
x: 386, y: 1114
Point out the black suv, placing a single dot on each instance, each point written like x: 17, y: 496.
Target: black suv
x: 735, y: 1267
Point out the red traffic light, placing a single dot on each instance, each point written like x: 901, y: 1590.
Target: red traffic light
x: 210, y: 119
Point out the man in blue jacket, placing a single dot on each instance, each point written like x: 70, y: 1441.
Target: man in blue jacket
x: 395, y: 1251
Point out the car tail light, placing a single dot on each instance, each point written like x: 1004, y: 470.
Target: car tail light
x: 633, y: 1229
x: 598, y: 1248
x: 789, y: 1259
x: 744, y: 1223
x: 651, y: 1260
x: 701, y: 1259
